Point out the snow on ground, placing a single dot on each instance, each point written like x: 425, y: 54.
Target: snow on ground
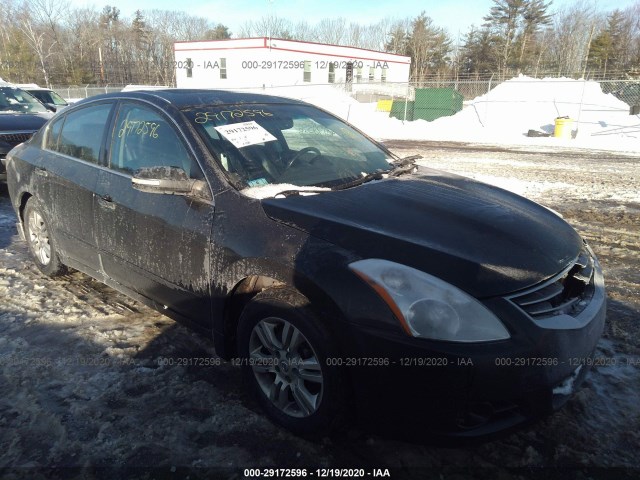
x: 502, y: 116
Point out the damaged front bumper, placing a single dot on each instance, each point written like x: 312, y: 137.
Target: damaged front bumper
x: 475, y: 390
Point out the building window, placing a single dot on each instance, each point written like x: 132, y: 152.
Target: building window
x: 359, y: 75
x: 223, y: 68
x: 332, y: 72
x: 383, y: 77
x: 372, y: 72
x: 189, y: 68
x: 307, y: 71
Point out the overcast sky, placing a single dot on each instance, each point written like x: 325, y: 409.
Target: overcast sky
x: 454, y: 15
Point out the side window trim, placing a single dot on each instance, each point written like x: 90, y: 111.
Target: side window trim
x: 50, y: 126
x: 106, y: 139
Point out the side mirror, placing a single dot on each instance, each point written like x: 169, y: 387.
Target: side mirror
x: 169, y: 181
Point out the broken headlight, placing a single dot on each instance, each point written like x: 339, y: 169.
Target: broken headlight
x: 428, y: 307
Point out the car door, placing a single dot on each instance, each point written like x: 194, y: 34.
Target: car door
x: 68, y: 174
x: 157, y: 245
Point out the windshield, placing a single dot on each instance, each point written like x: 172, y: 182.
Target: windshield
x: 282, y: 144
x: 14, y: 100
x: 48, y: 96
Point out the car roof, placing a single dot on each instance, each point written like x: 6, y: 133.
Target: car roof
x: 5, y: 85
x: 183, y: 98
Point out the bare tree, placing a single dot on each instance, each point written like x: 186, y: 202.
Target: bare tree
x: 573, y: 29
x: 398, y: 37
x: 376, y: 34
x: 267, y: 26
x: 332, y: 31
x: 39, y: 38
x: 80, y: 47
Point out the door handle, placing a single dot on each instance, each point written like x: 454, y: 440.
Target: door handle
x: 42, y: 172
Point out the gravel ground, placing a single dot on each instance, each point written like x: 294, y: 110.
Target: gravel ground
x: 85, y: 392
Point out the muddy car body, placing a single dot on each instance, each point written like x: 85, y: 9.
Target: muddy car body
x: 348, y: 280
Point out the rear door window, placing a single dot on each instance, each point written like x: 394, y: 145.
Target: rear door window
x: 83, y: 132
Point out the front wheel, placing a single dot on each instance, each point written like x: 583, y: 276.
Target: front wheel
x: 41, y: 244
x: 285, y: 351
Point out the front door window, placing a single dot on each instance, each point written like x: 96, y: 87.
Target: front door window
x: 144, y: 138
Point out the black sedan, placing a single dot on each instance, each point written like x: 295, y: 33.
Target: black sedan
x: 21, y: 115
x: 345, y: 280
x: 49, y: 98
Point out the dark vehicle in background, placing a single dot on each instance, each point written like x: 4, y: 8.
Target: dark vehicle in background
x: 346, y: 280
x: 21, y: 115
x: 48, y: 97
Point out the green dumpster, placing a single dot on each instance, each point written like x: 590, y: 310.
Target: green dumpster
x: 398, y: 110
x: 432, y: 103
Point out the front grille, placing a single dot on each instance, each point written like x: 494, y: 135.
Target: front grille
x: 567, y: 294
x: 14, y: 139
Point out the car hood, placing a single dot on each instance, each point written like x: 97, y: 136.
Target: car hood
x: 14, y: 122
x: 480, y: 238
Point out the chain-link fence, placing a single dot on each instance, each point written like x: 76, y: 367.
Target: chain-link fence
x: 431, y: 99
x: 626, y: 90
x: 75, y: 92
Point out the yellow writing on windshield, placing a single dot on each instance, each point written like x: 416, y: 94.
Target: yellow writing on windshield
x: 225, y: 115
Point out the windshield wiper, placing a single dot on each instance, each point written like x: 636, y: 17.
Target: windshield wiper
x: 408, y: 160
x: 359, y: 181
x: 404, y: 165
x: 298, y: 192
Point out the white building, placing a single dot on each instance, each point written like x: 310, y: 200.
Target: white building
x: 256, y: 62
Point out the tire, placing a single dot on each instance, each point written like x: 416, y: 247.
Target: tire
x: 42, y: 246
x: 284, y: 350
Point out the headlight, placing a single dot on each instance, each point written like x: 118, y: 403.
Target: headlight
x: 429, y: 307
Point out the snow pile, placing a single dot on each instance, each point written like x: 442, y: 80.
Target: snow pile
x: 503, y: 116
x: 268, y: 191
x: 328, y: 97
x: 514, y: 107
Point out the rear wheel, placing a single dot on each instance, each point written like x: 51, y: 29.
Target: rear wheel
x: 41, y: 244
x: 285, y: 351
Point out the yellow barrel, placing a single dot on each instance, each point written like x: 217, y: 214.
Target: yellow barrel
x: 564, y: 126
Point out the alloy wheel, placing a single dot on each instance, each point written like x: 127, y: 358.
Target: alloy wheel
x: 286, y: 367
x: 39, y: 237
